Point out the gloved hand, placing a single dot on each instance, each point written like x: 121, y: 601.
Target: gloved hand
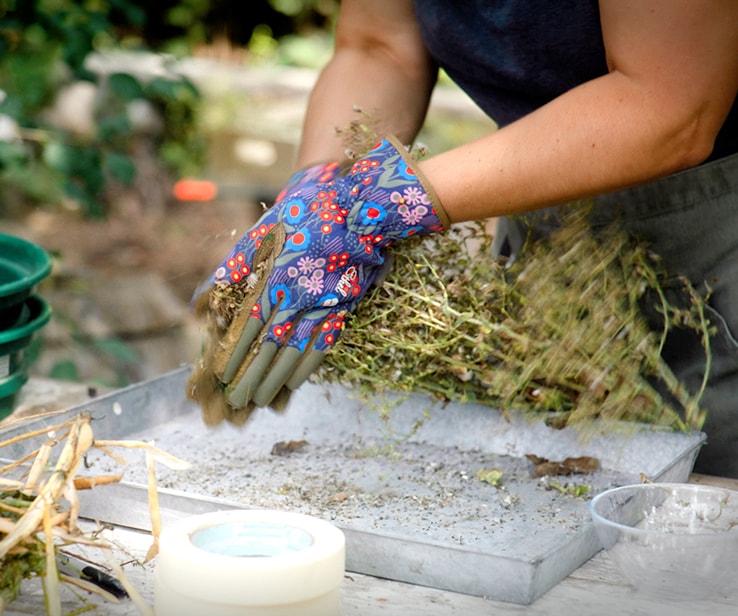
x: 282, y: 294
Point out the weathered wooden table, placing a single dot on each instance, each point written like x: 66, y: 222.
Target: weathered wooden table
x: 595, y: 588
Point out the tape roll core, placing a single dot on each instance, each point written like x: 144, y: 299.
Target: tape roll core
x: 252, y: 540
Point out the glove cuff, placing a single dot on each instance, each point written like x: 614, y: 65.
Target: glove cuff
x: 386, y: 198
x: 412, y: 166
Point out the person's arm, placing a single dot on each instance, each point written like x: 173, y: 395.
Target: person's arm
x: 380, y: 65
x: 673, y: 76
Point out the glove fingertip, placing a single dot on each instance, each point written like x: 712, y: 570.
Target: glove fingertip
x: 249, y: 333
x: 242, y: 392
x: 305, y: 368
x: 279, y: 372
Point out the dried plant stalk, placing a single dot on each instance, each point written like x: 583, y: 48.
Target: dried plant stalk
x: 38, y: 513
x: 153, y: 507
x: 77, y: 444
x: 560, y: 331
x: 143, y: 607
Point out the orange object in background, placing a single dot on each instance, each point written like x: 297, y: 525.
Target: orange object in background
x: 188, y: 189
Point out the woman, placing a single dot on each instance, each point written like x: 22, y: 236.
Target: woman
x: 628, y: 101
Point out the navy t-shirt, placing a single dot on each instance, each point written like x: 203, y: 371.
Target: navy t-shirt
x: 513, y: 56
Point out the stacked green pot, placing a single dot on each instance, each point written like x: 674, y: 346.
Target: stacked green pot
x: 22, y: 312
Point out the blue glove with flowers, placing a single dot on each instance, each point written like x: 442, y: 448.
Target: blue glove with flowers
x: 277, y: 303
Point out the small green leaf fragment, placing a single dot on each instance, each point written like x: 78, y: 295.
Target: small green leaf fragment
x: 492, y: 476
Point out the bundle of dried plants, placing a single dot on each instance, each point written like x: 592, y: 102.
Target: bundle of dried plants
x: 39, y: 509
x: 561, y: 331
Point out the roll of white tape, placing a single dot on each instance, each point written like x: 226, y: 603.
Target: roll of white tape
x: 248, y: 562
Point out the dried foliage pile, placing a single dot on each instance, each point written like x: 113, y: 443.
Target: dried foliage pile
x: 39, y: 510
x: 561, y: 331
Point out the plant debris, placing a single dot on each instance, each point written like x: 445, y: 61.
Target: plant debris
x: 39, y: 509
x: 559, y: 332
x: 285, y: 448
x: 582, y: 465
x: 492, y: 476
x: 574, y: 490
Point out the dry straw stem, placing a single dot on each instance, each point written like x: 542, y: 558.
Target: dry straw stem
x: 561, y: 331
x: 39, y: 506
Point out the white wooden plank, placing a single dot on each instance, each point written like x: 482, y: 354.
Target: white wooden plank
x: 594, y: 588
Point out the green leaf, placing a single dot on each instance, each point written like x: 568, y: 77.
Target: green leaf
x: 12, y: 154
x: 59, y: 156
x: 34, y: 179
x: 64, y: 370
x: 187, y: 90
x: 77, y: 45
x: 492, y: 476
x: 289, y: 7
x: 89, y: 169
x: 159, y: 87
x: 180, y: 15
x: 116, y: 348
x: 121, y: 167
x: 90, y: 205
x: 82, y: 163
x: 113, y: 126
x: 135, y: 15
x: 125, y: 86
x: 171, y: 90
x: 27, y: 78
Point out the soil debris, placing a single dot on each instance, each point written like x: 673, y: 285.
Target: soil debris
x: 285, y: 448
x: 582, y: 465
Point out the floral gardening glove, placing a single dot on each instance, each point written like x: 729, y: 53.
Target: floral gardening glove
x: 281, y: 296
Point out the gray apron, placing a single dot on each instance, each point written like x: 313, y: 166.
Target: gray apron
x: 690, y: 219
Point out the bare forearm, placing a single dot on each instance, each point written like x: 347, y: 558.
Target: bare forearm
x: 351, y: 81
x: 381, y: 66
x: 673, y: 74
x: 599, y: 137
x: 673, y: 77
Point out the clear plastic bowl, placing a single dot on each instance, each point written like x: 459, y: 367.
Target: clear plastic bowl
x: 672, y: 541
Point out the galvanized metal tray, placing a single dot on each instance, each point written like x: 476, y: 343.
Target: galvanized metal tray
x: 398, y: 476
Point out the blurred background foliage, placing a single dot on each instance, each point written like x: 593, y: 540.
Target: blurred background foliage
x: 144, y: 125
x: 139, y: 132
x: 45, y: 45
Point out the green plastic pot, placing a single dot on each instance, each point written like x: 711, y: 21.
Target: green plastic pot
x: 13, y: 343
x: 9, y: 389
x: 23, y: 265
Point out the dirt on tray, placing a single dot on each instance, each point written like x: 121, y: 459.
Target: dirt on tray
x: 372, y: 484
